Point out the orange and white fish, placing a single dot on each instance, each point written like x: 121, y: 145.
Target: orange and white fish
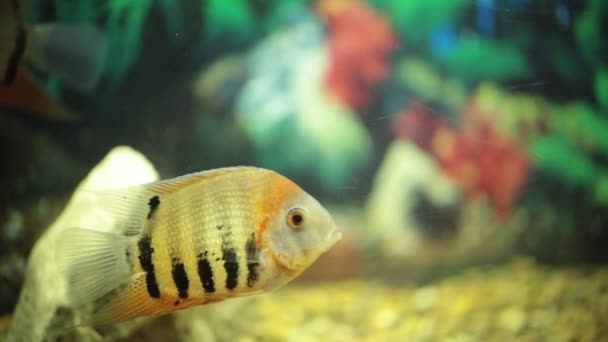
x: 196, y: 239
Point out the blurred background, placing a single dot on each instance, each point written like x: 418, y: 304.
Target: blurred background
x: 462, y: 145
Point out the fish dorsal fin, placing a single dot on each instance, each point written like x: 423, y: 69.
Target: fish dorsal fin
x: 131, y: 207
x: 172, y: 185
x: 126, y: 208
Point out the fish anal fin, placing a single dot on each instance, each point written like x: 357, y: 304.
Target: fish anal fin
x: 132, y: 301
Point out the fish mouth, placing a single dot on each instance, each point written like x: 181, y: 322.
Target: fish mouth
x: 331, y: 238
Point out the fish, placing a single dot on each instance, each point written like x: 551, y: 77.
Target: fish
x: 196, y: 239
x: 75, y: 53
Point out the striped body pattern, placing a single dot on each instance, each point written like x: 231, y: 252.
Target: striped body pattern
x: 197, y: 239
x: 202, y: 243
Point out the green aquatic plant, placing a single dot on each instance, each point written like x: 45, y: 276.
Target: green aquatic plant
x: 582, y: 126
x: 228, y: 18
x: 173, y: 16
x: 85, y: 11
x: 421, y: 76
x: 555, y: 155
x: 601, y: 189
x: 241, y: 19
x: 601, y: 87
x: 470, y: 58
x: 425, y: 81
x: 474, y: 58
x: 281, y: 11
x: 125, y: 25
x: 589, y: 33
x: 415, y: 20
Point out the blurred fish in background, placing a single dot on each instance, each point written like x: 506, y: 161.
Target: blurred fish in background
x: 75, y: 54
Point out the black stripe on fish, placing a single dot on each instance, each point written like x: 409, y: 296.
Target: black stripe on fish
x: 231, y: 265
x: 205, y: 273
x: 153, y: 203
x: 252, y: 263
x: 231, y: 262
x: 13, y: 63
x: 180, y: 278
x: 145, y: 260
x: 20, y: 44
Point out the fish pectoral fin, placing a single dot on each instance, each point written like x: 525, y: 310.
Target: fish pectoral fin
x: 132, y: 300
x: 93, y: 262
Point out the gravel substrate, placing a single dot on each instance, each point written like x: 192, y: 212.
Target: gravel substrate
x: 519, y: 301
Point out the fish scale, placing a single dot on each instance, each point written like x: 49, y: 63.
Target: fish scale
x: 200, y: 219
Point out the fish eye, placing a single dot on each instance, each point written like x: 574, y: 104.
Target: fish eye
x: 295, y: 218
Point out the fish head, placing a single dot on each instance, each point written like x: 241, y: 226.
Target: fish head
x: 298, y: 233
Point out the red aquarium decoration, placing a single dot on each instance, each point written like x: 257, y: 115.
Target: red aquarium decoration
x: 360, y: 42
x: 476, y: 155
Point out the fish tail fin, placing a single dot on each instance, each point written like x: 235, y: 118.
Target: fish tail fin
x: 94, y: 262
x: 75, y: 53
x: 102, y: 285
